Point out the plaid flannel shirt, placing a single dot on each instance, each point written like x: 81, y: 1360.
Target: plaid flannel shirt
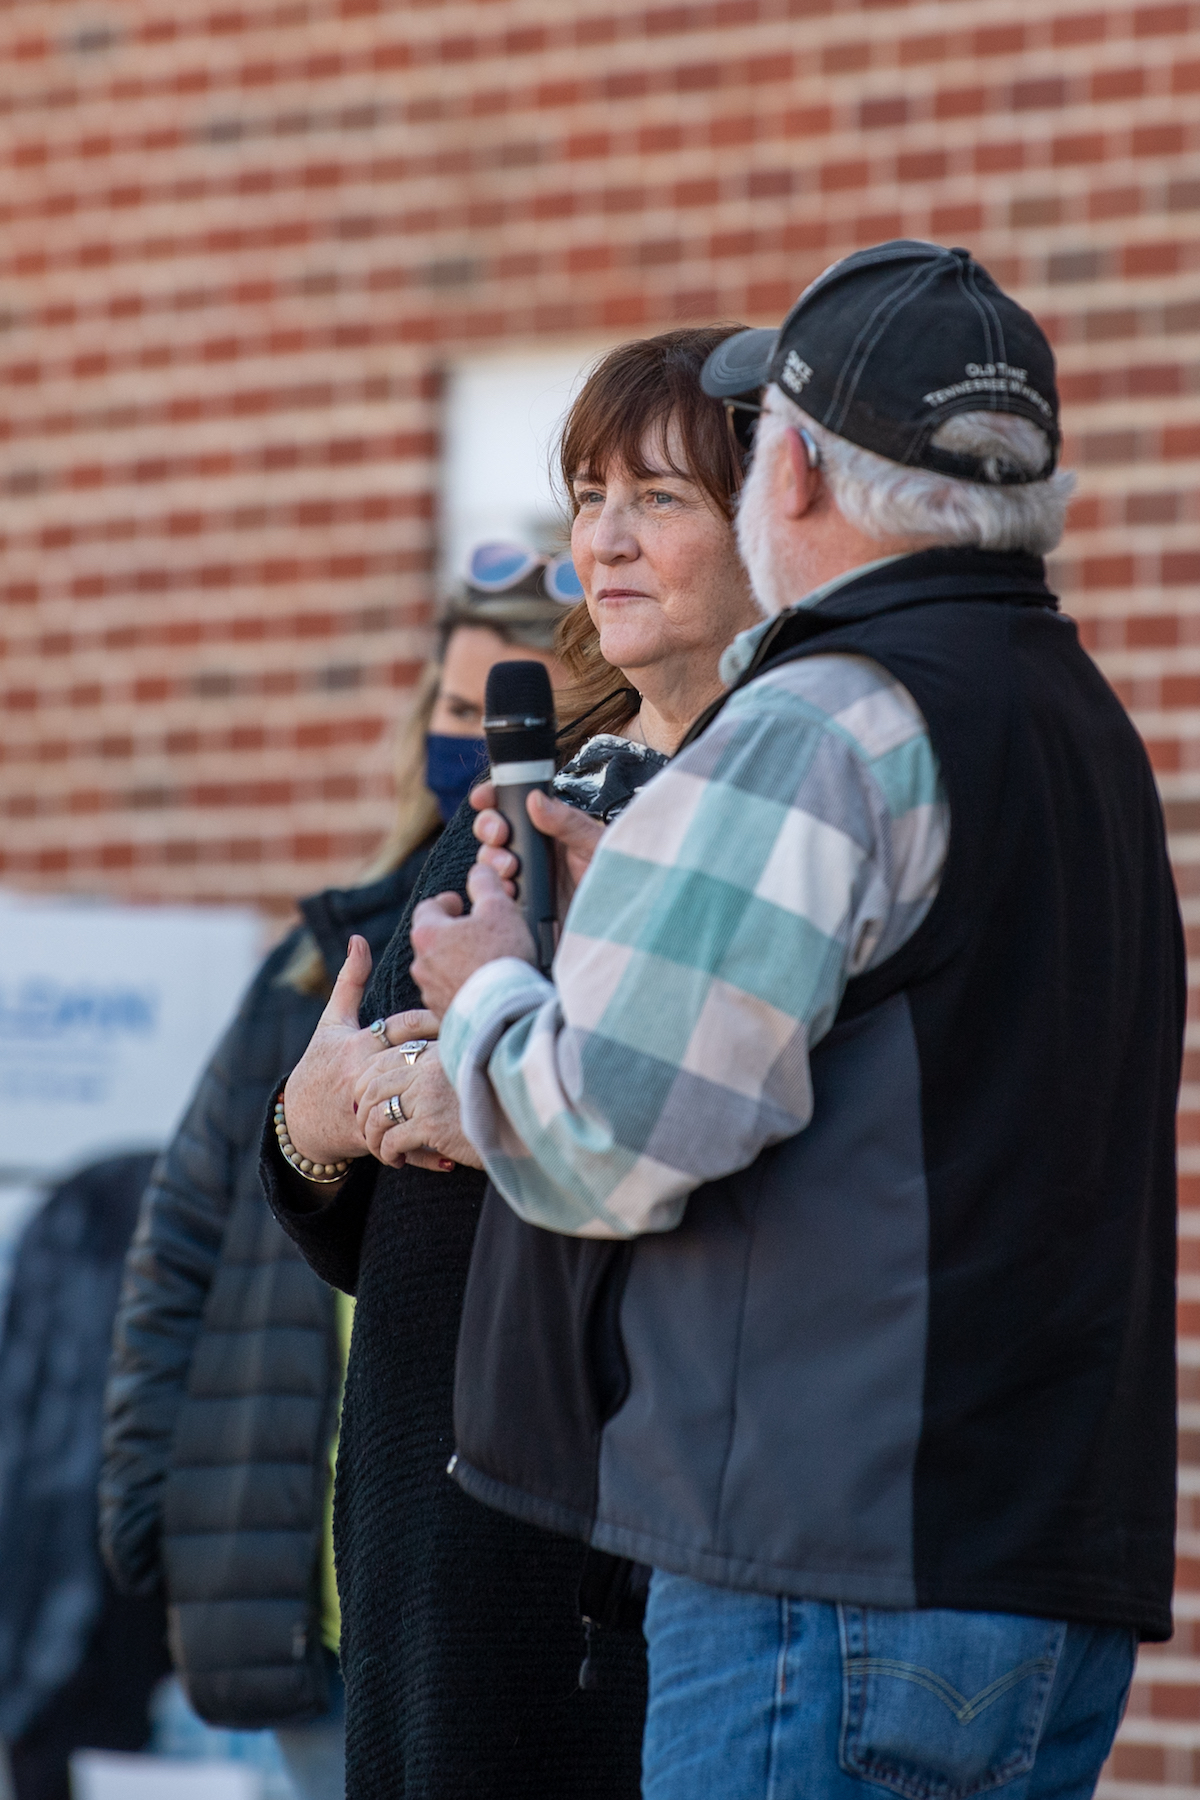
x: 795, y: 844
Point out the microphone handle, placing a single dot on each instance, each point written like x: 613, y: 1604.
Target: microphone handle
x: 535, y: 877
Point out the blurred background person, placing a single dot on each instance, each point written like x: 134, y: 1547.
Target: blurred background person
x: 229, y: 1353
x: 463, y: 1636
x: 78, y: 1661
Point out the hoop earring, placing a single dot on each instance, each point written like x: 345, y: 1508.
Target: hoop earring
x: 810, y: 447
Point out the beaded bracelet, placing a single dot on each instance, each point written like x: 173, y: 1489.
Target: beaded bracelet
x: 311, y: 1171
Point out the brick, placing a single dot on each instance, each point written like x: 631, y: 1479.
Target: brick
x: 1181, y: 567
x: 952, y: 223
x: 628, y: 84
x: 589, y: 146
x: 1159, y: 21
x: 960, y: 103
x: 1115, y: 203
x: 843, y: 59
x: 837, y: 177
x: 1044, y: 209
x: 705, y: 192
x: 1152, y: 509
x: 1039, y: 93
x: 763, y: 69
x: 1150, y: 259
x: 656, y: 139
x: 874, y: 115
x: 1080, y: 28
x: 1107, y: 571
x: 588, y: 32
x: 932, y: 47
x: 998, y: 40
x: 1184, y: 196
x: 806, y: 121
x: 1117, y: 84
x: 724, y: 133
x: 1151, y: 380
x: 1139, y: 1762
x: 764, y: 184
x: 697, y: 78
x: 1085, y: 147
x: 1107, y: 447
x: 1159, y: 140
x: 1181, y: 316
x: 1076, y: 265
x: 1111, y: 323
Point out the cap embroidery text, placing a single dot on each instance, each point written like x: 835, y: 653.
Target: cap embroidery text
x: 990, y: 384
x: 795, y: 373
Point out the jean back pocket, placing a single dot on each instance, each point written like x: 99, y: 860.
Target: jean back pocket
x: 943, y: 1705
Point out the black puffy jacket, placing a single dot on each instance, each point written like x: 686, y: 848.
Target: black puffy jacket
x: 224, y: 1384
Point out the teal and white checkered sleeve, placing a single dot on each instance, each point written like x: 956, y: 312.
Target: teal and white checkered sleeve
x: 798, y: 842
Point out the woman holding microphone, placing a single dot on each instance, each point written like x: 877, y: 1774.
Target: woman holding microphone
x: 462, y: 1639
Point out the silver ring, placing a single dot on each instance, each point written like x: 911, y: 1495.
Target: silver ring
x: 378, y: 1029
x: 395, y: 1111
x: 415, y: 1047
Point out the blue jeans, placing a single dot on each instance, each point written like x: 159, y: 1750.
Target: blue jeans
x: 315, y: 1754
x: 761, y: 1698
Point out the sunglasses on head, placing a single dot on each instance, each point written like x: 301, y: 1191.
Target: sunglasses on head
x: 496, y: 568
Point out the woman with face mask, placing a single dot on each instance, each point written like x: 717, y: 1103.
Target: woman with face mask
x: 485, y: 625
x: 224, y: 1389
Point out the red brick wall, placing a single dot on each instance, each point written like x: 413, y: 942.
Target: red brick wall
x: 241, y: 242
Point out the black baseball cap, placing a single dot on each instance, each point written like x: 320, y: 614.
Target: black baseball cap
x: 891, y: 342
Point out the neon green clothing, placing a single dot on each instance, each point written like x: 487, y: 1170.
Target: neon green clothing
x: 331, y: 1612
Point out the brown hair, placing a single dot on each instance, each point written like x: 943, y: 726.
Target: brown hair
x: 636, y: 389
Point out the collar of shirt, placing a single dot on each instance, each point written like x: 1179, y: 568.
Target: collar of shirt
x: 738, y: 656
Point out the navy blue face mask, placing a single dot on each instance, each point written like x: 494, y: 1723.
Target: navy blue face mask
x: 452, y: 767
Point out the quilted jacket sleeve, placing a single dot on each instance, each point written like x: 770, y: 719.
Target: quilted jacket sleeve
x: 168, y: 1273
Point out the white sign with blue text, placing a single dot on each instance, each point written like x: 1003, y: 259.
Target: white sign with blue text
x: 108, y: 1015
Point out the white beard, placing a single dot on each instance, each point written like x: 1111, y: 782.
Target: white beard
x: 758, y: 533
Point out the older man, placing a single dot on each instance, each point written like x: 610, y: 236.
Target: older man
x: 861, y: 1057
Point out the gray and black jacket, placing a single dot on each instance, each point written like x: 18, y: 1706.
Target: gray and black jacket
x: 224, y: 1383
x: 922, y: 1353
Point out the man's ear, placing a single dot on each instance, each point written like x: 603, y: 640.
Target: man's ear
x: 801, y: 482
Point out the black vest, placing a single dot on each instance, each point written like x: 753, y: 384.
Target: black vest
x: 921, y: 1354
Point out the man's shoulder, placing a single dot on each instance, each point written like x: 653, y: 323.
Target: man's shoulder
x: 847, y: 695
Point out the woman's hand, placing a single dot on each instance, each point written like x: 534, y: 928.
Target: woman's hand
x: 576, y: 834
x: 319, y: 1097
x: 431, y: 1135
x: 450, y: 944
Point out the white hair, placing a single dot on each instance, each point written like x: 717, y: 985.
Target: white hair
x: 885, y: 499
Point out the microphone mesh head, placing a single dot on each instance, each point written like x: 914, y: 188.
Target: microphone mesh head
x: 518, y: 705
x: 518, y: 688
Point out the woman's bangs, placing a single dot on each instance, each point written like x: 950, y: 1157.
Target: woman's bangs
x: 648, y: 393
x: 611, y: 432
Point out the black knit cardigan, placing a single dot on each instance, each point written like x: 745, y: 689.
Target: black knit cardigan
x: 461, y: 1636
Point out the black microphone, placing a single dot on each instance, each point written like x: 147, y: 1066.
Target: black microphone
x: 519, y: 726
